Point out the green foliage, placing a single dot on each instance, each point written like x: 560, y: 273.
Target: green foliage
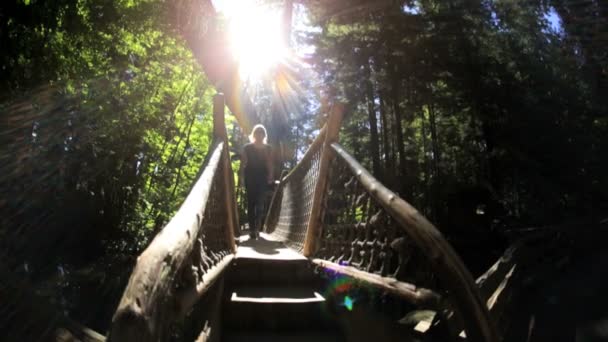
x: 476, y: 105
x: 117, y: 119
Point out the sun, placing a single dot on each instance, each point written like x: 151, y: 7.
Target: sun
x: 255, y: 36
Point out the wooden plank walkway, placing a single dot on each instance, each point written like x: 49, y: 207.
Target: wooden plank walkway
x: 265, y: 247
x: 272, y: 295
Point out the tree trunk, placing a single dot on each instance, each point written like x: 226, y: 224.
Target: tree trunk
x: 398, y: 123
x: 389, y: 161
x: 434, y: 143
x: 436, y: 185
x: 373, y: 124
x: 154, y: 177
x: 426, y: 166
x: 181, y: 158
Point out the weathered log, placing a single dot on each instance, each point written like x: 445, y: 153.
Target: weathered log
x: 444, y: 260
x: 526, y: 261
x: 420, y: 297
x: 189, y: 296
x: 149, y: 304
x: 219, y: 131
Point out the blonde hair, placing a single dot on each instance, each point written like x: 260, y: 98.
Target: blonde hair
x: 258, y: 127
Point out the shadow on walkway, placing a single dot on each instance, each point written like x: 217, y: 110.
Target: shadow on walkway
x: 261, y: 245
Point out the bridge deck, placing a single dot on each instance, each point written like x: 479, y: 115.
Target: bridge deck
x: 266, y: 247
x: 271, y: 295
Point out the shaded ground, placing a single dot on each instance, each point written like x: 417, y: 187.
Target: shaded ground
x: 568, y: 306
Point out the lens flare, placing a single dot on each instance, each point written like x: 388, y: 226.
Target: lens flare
x: 256, y: 36
x: 348, y: 303
x: 341, y: 289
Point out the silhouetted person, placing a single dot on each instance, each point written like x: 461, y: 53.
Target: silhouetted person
x: 256, y: 163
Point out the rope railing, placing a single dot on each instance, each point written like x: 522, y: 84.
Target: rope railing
x: 290, y: 208
x: 375, y: 236
x: 189, y: 254
x: 336, y: 213
x: 331, y: 210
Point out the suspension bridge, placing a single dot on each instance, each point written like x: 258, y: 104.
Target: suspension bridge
x: 342, y: 258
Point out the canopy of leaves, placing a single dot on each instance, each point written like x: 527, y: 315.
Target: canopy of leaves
x: 481, y: 113
x: 106, y: 120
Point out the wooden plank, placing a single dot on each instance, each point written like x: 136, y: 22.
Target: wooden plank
x: 313, y: 297
x: 266, y: 248
x: 418, y: 296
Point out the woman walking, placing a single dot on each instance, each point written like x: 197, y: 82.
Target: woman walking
x: 256, y: 162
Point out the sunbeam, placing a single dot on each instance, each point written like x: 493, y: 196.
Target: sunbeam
x: 256, y: 37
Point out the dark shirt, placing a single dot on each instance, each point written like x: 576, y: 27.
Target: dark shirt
x: 256, y: 170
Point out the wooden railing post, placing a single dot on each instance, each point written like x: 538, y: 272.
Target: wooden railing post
x: 313, y: 232
x: 219, y: 121
x: 219, y: 132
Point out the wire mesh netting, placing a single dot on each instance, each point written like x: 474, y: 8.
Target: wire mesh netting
x: 290, y: 210
x: 362, y: 228
x: 358, y: 232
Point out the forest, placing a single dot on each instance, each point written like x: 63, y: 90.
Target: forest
x: 488, y: 116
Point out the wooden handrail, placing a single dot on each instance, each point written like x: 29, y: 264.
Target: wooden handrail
x: 141, y: 314
x: 219, y: 131
x: 450, y: 269
x: 418, y: 296
x: 151, y: 302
